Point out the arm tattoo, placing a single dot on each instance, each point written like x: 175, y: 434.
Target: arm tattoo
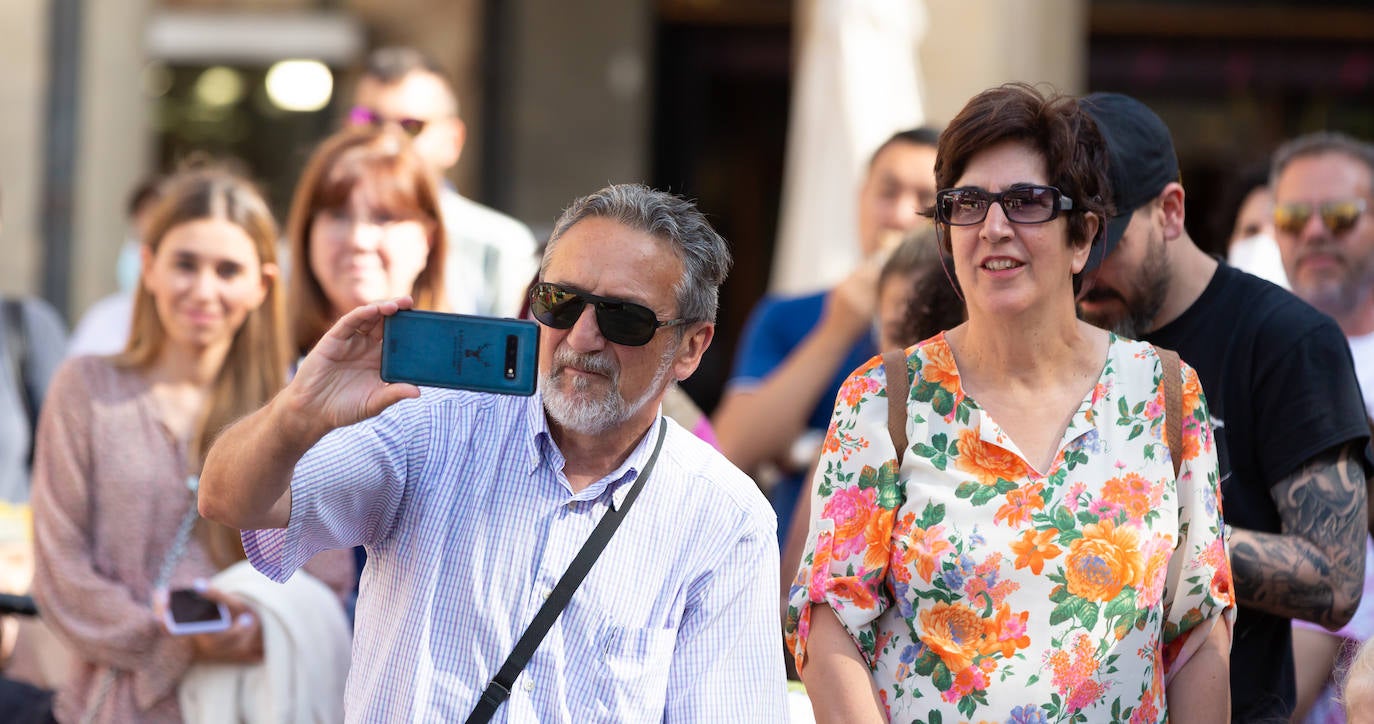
x: 1314, y: 570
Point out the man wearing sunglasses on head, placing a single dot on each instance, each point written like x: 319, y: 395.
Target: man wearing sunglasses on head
x: 1324, y: 192
x: 1283, y: 398
x: 491, y: 256
x: 474, y: 506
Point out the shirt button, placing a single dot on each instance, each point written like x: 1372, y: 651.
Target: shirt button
x: 529, y: 684
x: 545, y: 594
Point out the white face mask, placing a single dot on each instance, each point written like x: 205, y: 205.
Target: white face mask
x: 1258, y: 255
x: 128, y: 264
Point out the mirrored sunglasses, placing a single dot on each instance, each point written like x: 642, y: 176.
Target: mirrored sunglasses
x: 1337, y: 216
x: 621, y: 322
x: 1023, y: 204
x: 364, y: 116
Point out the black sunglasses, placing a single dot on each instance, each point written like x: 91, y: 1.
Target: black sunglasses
x: 364, y: 116
x: 621, y: 322
x: 1022, y: 204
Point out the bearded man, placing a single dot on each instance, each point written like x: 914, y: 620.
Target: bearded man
x: 473, y: 505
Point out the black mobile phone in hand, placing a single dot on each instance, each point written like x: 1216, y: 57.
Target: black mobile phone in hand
x: 461, y: 352
x: 189, y: 612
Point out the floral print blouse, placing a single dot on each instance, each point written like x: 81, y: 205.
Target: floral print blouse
x: 980, y: 590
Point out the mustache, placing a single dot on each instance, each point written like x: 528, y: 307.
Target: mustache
x: 594, y: 363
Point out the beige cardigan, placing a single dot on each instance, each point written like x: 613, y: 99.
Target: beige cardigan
x: 109, y: 491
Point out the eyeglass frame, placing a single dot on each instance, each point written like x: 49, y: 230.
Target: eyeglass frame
x: 599, y: 304
x: 1316, y: 209
x: 1061, y: 204
x: 364, y: 116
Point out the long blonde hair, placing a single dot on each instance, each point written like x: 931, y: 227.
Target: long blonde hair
x: 255, y: 366
x: 407, y: 187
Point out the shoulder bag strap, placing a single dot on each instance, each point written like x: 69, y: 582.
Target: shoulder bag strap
x: 1173, y: 404
x: 898, y: 387
x: 499, y: 689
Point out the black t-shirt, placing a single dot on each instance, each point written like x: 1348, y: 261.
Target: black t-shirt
x: 1281, y: 388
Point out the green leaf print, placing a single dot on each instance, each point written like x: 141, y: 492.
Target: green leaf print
x: 1064, y: 611
x: 967, y: 488
x: 925, y: 665
x: 1087, y: 614
x: 934, y: 717
x: 961, y: 413
x: 932, y: 515
x: 943, y: 680
x: 1121, y: 407
x: 1122, y: 605
x: 924, y: 390
x: 966, y: 706
x: 942, y: 402
x: 940, y: 441
x: 1063, y: 519
x: 1135, y: 432
x: 1005, y: 486
x: 983, y: 494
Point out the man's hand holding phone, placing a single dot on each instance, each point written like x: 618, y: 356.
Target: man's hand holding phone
x: 339, y: 381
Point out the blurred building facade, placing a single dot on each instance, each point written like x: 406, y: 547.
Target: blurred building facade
x: 563, y: 96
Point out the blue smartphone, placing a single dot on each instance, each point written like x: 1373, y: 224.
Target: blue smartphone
x: 461, y: 352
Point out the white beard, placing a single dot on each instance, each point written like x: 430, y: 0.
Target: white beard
x: 577, y: 410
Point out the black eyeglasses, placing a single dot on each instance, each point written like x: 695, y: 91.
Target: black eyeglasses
x: 622, y: 322
x: 364, y: 116
x: 1337, y: 216
x: 1023, y: 204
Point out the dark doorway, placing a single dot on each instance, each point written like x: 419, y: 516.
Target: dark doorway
x: 723, y: 79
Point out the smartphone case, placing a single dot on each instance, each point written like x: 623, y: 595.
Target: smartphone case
x: 461, y: 351
x: 181, y: 628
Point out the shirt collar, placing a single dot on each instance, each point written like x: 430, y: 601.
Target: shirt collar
x: 543, y: 450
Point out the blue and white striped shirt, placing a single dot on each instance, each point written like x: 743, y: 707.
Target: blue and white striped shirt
x: 469, y: 522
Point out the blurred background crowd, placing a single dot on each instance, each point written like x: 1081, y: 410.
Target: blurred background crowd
x: 767, y: 112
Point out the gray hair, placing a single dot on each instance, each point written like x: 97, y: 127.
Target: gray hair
x: 1313, y: 144
x: 704, y: 255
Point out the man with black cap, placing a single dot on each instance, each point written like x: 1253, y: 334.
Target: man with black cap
x: 1281, y: 388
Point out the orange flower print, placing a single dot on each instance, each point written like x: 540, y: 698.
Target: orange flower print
x: 856, y: 388
x: 850, y: 509
x: 1034, y: 548
x: 1073, y: 673
x: 924, y: 549
x: 1020, y: 505
x: 986, y: 462
x: 853, y: 590
x: 1156, y: 553
x: 954, y: 632
x: 1010, y: 629
x: 820, y: 568
x: 878, y: 538
x: 939, y: 367
x: 1102, y: 562
x: 1131, y: 493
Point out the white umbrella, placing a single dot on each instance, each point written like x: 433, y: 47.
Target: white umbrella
x: 857, y: 83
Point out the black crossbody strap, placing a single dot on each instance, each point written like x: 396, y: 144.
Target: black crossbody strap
x: 499, y: 689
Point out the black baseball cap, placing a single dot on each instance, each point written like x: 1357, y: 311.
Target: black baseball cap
x: 1140, y: 159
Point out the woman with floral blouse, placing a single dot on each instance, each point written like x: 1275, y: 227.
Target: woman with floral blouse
x: 1031, y: 556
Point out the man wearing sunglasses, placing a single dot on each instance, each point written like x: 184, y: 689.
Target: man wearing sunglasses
x: 1324, y: 194
x: 472, y: 505
x: 1324, y: 225
x: 491, y: 256
x: 1284, y: 400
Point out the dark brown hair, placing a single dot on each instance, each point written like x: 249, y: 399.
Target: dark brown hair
x: 406, y: 189
x: 1054, y: 125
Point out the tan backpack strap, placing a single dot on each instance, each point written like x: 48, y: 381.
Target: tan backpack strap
x: 898, y: 387
x: 1173, y: 404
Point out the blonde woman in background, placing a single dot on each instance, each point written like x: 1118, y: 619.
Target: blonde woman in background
x: 120, y: 446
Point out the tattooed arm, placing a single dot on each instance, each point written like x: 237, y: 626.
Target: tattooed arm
x: 1314, y: 570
